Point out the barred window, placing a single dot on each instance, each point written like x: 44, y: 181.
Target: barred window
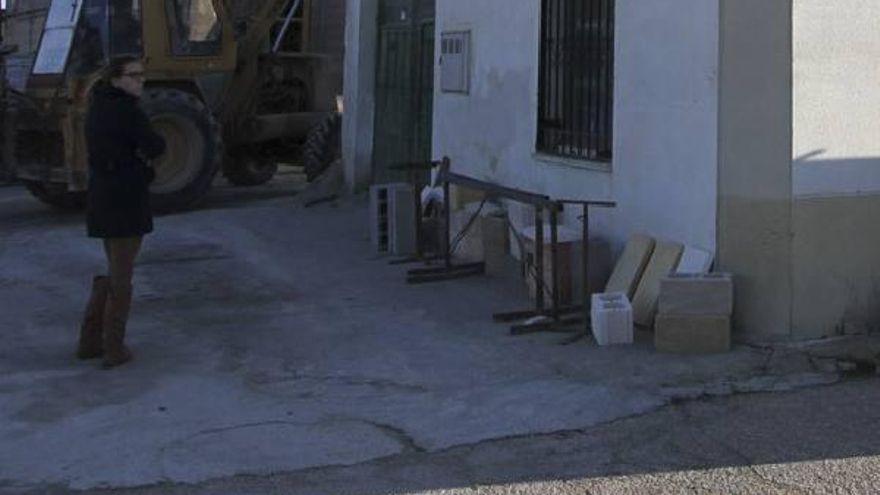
x: 576, y: 78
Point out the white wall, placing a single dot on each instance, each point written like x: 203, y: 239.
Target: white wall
x: 836, y: 97
x: 664, y: 170
x: 666, y: 119
x: 836, y: 171
x: 755, y: 207
x: 490, y: 133
x: 361, y: 38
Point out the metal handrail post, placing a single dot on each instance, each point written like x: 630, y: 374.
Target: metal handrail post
x: 585, y: 269
x: 447, y: 208
x: 539, y: 259
x: 554, y: 259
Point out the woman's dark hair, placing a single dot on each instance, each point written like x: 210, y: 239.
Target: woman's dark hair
x: 116, y: 67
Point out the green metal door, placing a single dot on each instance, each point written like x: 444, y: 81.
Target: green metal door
x: 404, y: 86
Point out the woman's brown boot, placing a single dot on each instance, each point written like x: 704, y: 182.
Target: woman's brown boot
x: 115, y: 319
x: 90, y: 330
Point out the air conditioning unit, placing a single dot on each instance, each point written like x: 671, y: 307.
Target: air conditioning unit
x: 393, y: 219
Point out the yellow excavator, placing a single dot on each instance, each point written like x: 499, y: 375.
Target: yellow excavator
x: 230, y: 84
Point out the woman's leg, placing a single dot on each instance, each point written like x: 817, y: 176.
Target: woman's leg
x: 121, y: 255
x: 91, y: 330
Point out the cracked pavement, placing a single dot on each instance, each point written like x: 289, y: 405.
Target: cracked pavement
x: 811, y: 440
x: 269, y: 339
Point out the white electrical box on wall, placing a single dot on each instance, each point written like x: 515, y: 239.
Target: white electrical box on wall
x: 455, y: 61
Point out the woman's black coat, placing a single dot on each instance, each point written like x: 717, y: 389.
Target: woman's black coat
x: 120, y: 140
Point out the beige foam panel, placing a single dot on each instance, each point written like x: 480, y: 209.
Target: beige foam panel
x: 663, y: 261
x: 631, y: 265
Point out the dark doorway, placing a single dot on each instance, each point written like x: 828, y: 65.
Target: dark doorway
x: 404, y: 86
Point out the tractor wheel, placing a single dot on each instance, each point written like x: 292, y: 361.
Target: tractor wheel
x: 57, y: 195
x: 322, y: 146
x: 250, y: 170
x: 194, y: 148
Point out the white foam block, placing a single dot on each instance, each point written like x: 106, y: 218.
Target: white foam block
x: 612, y: 318
x: 694, y: 260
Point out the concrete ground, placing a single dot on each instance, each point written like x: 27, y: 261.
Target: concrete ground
x: 269, y: 339
x: 815, y: 440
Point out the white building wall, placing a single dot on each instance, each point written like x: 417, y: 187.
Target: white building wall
x: 836, y: 170
x: 720, y: 141
x: 664, y: 171
x: 490, y: 133
x: 359, y: 81
x: 666, y: 119
x: 754, y: 179
x: 836, y: 97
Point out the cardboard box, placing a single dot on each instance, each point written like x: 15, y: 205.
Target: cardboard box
x: 692, y: 334
x: 568, y: 245
x: 696, y: 294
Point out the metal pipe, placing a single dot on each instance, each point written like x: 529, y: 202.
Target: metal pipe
x: 494, y: 190
x: 554, y: 260
x: 277, y: 45
x: 447, y: 213
x: 417, y: 197
x: 585, y: 269
x: 539, y: 259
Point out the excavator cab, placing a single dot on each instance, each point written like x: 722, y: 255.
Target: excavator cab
x: 179, y: 36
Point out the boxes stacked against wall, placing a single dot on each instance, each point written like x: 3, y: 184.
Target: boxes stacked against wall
x: 568, y: 244
x: 694, y: 313
x: 664, y: 260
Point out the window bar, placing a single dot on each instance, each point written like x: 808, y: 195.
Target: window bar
x: 600, y: 79
x: 543, y: 79
x: 581, y: 108
x: 574, y: 72
x: 557, y: 76
x: 595, y: 13
x: 587, y: 101
x: 609, y: 80
x: 563, y: 76
x: 548, y: 89
x: 540, y: 76
x: 588, y: 79
x: 582, y: 101
x: 569, y: 72
x: 576, y: 82
x: 600, y: 58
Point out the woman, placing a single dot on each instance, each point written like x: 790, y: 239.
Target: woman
x: 120, y: 142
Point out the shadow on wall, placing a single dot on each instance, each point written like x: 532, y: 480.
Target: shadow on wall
x: 817, y: 176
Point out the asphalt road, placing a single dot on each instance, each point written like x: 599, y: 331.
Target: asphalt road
x: 820, y: 440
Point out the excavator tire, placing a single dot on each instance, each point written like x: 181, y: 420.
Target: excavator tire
x: 250, y: 170
x: 322, y: 146
x: 194, y: 149
x: 57, y: 196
